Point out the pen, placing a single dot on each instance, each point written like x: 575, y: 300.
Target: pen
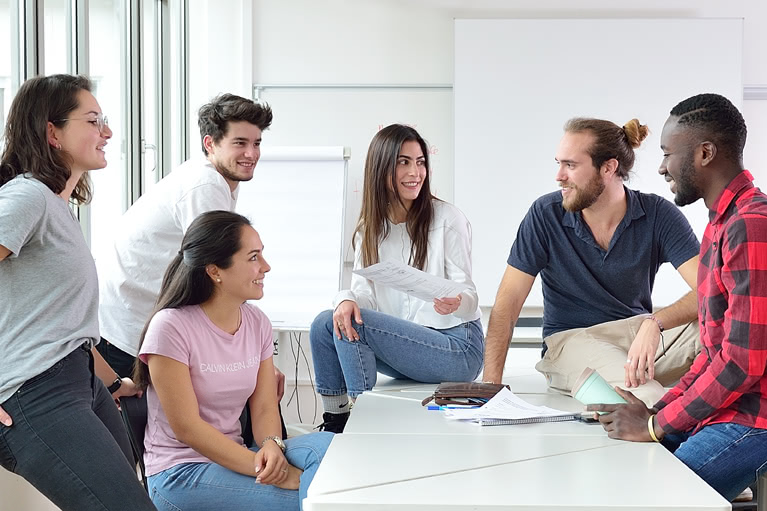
x: 451, y: 407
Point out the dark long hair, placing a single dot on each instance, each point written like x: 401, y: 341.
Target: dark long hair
x: 380, y: 180
x: 212, y: 238
x: 41, y: 100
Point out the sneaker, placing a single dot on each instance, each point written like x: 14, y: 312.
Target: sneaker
x: 745, y: 496
x: 334, y: 422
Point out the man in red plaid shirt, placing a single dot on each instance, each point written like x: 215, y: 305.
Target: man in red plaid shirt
x: 715, y: 418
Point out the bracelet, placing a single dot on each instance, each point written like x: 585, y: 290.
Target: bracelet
x: 655, y: 318
x: 660, y: 327
x: 651, y: 429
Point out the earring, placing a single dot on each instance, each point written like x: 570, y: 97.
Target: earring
x: 218, y: 280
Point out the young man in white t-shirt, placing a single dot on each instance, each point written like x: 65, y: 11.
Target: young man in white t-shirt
x: 149, y: 234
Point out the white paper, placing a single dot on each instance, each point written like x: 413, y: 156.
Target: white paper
x: 504, y: 405
x: 411, y: 281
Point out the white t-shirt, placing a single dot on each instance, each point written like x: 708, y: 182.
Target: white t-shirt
x: 223, y: 368
x: 146, y: 239
x: 448, y: 256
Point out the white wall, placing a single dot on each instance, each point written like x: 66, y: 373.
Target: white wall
x: 411, y: 41
x: 398, y: 41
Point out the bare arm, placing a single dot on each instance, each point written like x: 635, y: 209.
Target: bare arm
x: 512, y: 293
x: 641, y: 357
x: 685, y: 309
x: 5, y: 419
x: 108, y: 375
x: 265, y: 416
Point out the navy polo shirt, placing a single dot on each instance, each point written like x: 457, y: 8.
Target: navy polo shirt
x: 584, y: 285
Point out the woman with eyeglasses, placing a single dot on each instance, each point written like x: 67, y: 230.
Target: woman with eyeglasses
x: 59, y: 426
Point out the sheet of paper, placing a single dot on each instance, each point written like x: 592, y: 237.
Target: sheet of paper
x: 504, y: 405
x: 411, y: 280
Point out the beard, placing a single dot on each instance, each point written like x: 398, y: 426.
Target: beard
x: 586, y: 196
x: 231, y: 174
x: 687, y: 190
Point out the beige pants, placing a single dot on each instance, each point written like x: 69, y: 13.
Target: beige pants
x: 604, y: 347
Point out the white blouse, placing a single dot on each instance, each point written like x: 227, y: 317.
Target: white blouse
x: 448, y: 256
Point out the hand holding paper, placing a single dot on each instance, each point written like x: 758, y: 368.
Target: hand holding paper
x: 414, y: 282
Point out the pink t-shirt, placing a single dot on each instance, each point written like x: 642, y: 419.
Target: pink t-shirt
x: 223, y: 368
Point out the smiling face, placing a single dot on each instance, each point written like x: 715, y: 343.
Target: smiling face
x: 581, y: 182
x: 244, y: 279
x: 236, y: 154
x: 81, y: 137
x: 410, y: 172
x: 678, y: 164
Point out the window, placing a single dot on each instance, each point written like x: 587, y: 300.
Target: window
x: 109, y: 184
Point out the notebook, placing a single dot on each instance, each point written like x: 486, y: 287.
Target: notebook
x: 508, y: 408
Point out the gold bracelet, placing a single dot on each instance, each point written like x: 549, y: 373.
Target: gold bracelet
x: 651, y: 429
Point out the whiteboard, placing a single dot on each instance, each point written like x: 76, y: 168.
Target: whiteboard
x: 296, y: 203
x: 517, y: 81
x: 351, y: 116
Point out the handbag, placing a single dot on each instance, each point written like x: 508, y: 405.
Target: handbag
x: 464, y: 393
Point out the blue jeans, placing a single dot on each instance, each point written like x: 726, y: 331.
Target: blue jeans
x: 68, y: 441
x: 728, y: 456
x: 209, y: 486
x: 395, y: 347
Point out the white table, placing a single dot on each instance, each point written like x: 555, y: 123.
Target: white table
x: 396, y: 454
x: 467, y: 472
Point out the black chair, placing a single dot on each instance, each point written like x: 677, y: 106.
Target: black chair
x: 134, y: 414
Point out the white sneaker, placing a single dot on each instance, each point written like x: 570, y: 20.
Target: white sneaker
x: 745, y: 496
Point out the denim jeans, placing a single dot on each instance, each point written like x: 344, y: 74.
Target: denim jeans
x: 209, y: 486
x: 395, y: 347
x: 728, y: 456
x: 68, y: 441
x: 121, y: 362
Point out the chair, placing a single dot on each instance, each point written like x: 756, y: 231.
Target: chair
x: 134, y: 415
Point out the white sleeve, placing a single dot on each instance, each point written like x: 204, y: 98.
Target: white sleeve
x: 458, y: 263
x: 200, y: 199
x: 362, y: 291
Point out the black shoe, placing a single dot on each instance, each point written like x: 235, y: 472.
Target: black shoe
x: 334, y: 422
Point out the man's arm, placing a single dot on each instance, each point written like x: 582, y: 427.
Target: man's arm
x: 685, y: 309
x: 641, y: 357
x: 512, y: 293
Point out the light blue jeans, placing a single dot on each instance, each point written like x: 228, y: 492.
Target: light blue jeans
x: 209, y: 486
x: 394, y: 347
x: 729, y: 457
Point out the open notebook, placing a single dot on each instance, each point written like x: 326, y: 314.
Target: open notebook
x: 507, y: 408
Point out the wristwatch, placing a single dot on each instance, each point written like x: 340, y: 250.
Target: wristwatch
x: 115, y: 385
x: 277, y: 440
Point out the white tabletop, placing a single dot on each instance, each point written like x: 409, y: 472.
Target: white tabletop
x: 457, y: 472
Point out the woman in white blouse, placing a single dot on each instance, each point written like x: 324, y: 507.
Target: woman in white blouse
x: 375, y: 328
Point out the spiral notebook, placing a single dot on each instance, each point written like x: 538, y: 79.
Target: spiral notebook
x: 530, y: 420
x: 508, y: 408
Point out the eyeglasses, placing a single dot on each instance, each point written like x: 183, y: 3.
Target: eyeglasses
x: 100, y: 120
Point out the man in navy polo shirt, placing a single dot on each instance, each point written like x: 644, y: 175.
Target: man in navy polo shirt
x: 598, y: 246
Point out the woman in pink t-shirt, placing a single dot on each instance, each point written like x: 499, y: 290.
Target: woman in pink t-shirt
x: 206, y: 353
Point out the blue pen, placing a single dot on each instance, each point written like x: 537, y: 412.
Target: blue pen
x: 445, y: 407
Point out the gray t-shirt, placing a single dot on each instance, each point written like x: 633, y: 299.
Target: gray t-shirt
x: 48, y: 284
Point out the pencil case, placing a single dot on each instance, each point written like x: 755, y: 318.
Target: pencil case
x: 462, y: 393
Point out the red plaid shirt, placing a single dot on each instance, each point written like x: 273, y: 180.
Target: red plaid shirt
x: 727, y: 380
